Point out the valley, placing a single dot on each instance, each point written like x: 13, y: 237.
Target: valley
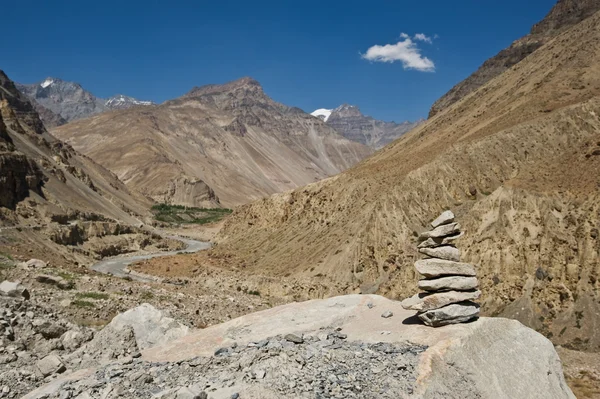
x: 224, y: 245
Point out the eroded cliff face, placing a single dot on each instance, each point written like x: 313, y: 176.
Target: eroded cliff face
x: 519, y: 164
x: 565, y: 14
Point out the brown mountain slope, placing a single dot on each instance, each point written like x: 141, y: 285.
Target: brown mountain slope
x: 230, y: 138
x: 563, y: 15
x: 42, y: 178
x: 517, y: 160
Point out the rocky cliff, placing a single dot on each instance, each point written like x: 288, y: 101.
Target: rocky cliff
x: 563, y: 15
x: 231, y: 139
x: 517, y: 161
x: 348, y: 121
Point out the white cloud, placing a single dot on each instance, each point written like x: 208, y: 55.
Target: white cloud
x: 406, y: 51
x: 423, y: 37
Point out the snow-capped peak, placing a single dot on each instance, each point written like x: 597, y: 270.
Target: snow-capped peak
x: 322, y: 113
x: 120, y: 101
x: 47, y: 82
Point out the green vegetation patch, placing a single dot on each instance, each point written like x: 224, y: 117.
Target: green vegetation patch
x: 83, y: 304
x: 91, y: 295
x: 188, y: 215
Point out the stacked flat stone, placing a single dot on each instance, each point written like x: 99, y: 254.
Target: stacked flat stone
x: 449, y: 286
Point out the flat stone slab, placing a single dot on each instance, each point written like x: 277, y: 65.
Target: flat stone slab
x: 450, y: 283
x: 451, y: 314
x: 441, y: 231
x: 423, y: 302
x: 444, y: 252
x: 439, y: 267
x: 445, y: 218
x: 436, y: 242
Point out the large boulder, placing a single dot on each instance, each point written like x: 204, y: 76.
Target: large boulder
x: 488, y: 358
x: 13, y: 289
x: 151, y: 326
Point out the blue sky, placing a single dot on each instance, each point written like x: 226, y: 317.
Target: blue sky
x: 309, y: 54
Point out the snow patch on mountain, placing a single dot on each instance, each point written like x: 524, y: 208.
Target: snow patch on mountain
x: 47, y: 83
x: 121, y: 101
x: 322, y: 113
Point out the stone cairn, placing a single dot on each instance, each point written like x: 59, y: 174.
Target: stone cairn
x: 449, y: 286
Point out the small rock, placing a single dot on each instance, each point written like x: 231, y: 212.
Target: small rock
x: 446, y: 252
x: 387, y: 314
x: 424, y: 302
x: 439, y: 267
x: 456, y: 283
x: 294, y: 338
x: 445, y: 218
x: 34, y: 264
x: 51, y: 364
x: 441, y: 231
x: 451, y: 314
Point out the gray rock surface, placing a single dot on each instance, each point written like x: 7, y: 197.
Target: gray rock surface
x: 438, y: 267
x: 457, y: 283
x: 446, y: 252
x: 423, y: 302
x: 451, y: 314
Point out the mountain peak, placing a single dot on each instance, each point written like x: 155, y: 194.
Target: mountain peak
x: 242, y: 83
x: 352, y: 124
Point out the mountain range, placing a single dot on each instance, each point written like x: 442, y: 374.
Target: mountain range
x: 352, y: 124
x: 218, y: 144
x: 58, y: 101
x: 45, y: 179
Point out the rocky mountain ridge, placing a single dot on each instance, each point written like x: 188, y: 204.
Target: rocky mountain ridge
x: 230, y: 143
x: 348, y: 121
x: 563, y: 15
x: 59, y: 102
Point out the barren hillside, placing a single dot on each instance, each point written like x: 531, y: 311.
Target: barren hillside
x: 231, y: 140
x: 563, y: 15
x: 518, y: 161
